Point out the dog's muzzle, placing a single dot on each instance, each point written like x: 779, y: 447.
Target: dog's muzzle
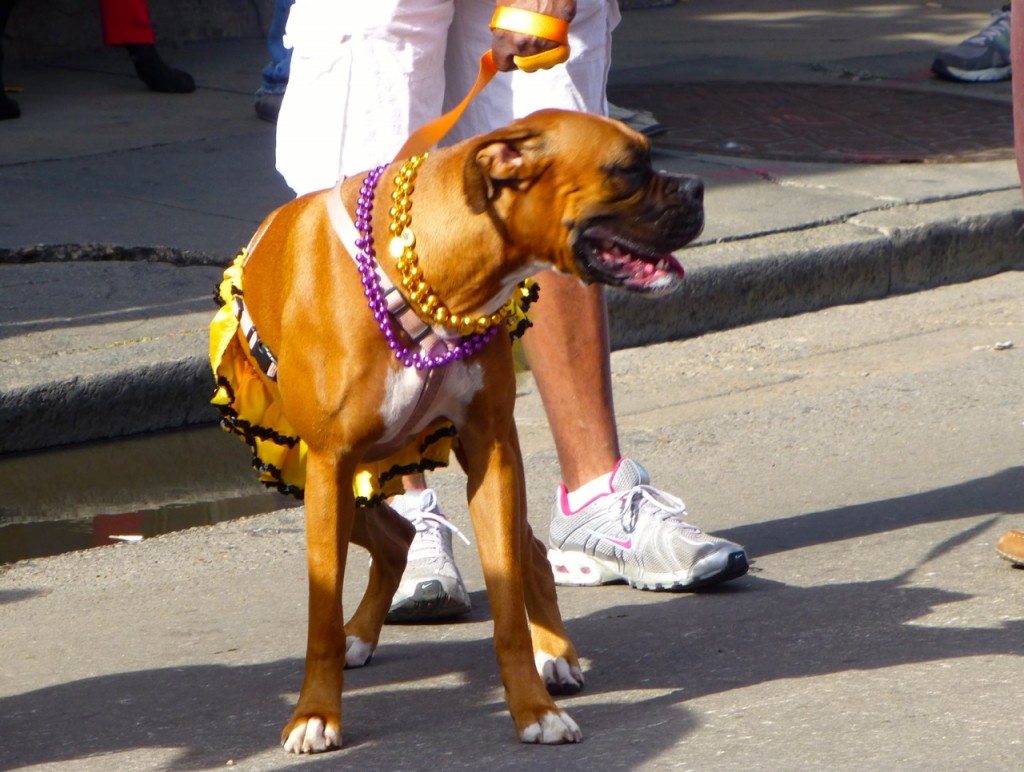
x: 633, y: 249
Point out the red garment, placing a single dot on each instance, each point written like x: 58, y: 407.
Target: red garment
x: 126, y: 21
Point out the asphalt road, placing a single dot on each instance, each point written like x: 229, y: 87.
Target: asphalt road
x: 868, y: 456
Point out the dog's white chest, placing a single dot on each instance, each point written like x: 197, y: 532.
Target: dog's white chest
x: 412, y: 401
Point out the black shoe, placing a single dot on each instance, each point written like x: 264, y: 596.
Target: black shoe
x: 8, y: 107
x: 268, y: 106
x: 156, y: 73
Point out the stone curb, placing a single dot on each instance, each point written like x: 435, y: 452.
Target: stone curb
x: 869, y: 257
x: 729, y: 284
x: 107, y: 405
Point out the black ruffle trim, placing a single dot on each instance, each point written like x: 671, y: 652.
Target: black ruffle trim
x: 230, y: 421
x: 249, y: 433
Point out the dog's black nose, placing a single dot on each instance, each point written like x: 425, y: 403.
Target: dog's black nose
x: 692, y: 187
x: 686, y: 186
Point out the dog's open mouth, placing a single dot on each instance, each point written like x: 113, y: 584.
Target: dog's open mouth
x: 612, y: 260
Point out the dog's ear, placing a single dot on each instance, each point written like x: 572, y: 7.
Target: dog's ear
x: 497, y: 159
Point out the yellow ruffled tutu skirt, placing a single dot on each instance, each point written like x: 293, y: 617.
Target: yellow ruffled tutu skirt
x: 249, y: 408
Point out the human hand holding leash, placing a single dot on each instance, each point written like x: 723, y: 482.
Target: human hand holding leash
x: 531, y: 34
x: 523, y: 39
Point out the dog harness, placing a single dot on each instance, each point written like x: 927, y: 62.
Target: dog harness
x: 430, y: 342
x: 423, y: 336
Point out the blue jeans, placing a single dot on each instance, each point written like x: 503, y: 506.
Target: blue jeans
x: 275, y: 74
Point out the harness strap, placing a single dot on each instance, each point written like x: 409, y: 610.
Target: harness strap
x: 422, y: 334
x: 260, y: 351
x: 263, y: 355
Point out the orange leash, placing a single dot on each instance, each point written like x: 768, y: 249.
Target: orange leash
x: 514, y: 20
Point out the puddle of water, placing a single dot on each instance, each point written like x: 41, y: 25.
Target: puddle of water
x: 125, y: 490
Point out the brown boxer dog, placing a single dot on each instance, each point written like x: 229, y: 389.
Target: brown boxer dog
x: 568, y: 191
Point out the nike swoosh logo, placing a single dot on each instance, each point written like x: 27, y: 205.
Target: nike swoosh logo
x: 626, y: 544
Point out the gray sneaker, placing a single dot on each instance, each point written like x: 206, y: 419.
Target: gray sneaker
x: 982, y: 57
x: 638, y: 120
x: 637, y: 533
x: 431, y: 587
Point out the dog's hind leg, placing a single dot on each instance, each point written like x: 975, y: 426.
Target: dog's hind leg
x: 386, y: 535
x: 315, y: 724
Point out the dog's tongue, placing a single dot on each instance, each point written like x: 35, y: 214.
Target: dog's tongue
x: 667, y: 270
x: 649, y: 274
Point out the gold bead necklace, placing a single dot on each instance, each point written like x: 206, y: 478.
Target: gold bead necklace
x: 402, y: 248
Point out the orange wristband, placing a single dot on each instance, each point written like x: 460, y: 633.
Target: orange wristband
x: 514, y: 20
x: 539, y: 25
x: 531, y: 23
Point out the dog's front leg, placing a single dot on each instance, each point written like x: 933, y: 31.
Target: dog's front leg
x: 555, y: 656
x: 315, y: 724
x: 495, y: 475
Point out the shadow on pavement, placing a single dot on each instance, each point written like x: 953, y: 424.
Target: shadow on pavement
x: 676, y: 649
x: 1001, y: 493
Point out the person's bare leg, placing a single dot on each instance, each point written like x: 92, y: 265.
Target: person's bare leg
x: 414, y: 482
x: 568, y: 354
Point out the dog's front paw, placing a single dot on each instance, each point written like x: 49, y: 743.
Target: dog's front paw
x: 558, y: 675
x: 554, y: 728
x: 311, y: 735
x: 357, y: 651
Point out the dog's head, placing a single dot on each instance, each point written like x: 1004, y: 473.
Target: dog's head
x: 578, y: 192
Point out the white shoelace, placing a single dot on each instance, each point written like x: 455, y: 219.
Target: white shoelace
x: 428, y: 543
x: 665, y: 506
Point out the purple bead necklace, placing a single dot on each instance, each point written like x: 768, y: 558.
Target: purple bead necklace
x: 366, y: 261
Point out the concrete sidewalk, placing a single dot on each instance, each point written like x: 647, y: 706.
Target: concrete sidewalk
x: 867, y: 456
x: 99, y: 168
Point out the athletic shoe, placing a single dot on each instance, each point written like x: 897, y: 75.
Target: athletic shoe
x: 637, y: 533
x: 431, y: 587
x: 1011, y: 547
x: 638, y: 120
x: 981, y: 57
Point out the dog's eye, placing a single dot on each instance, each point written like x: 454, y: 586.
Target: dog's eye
x: 631, y: 171
x: 629, y: 178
